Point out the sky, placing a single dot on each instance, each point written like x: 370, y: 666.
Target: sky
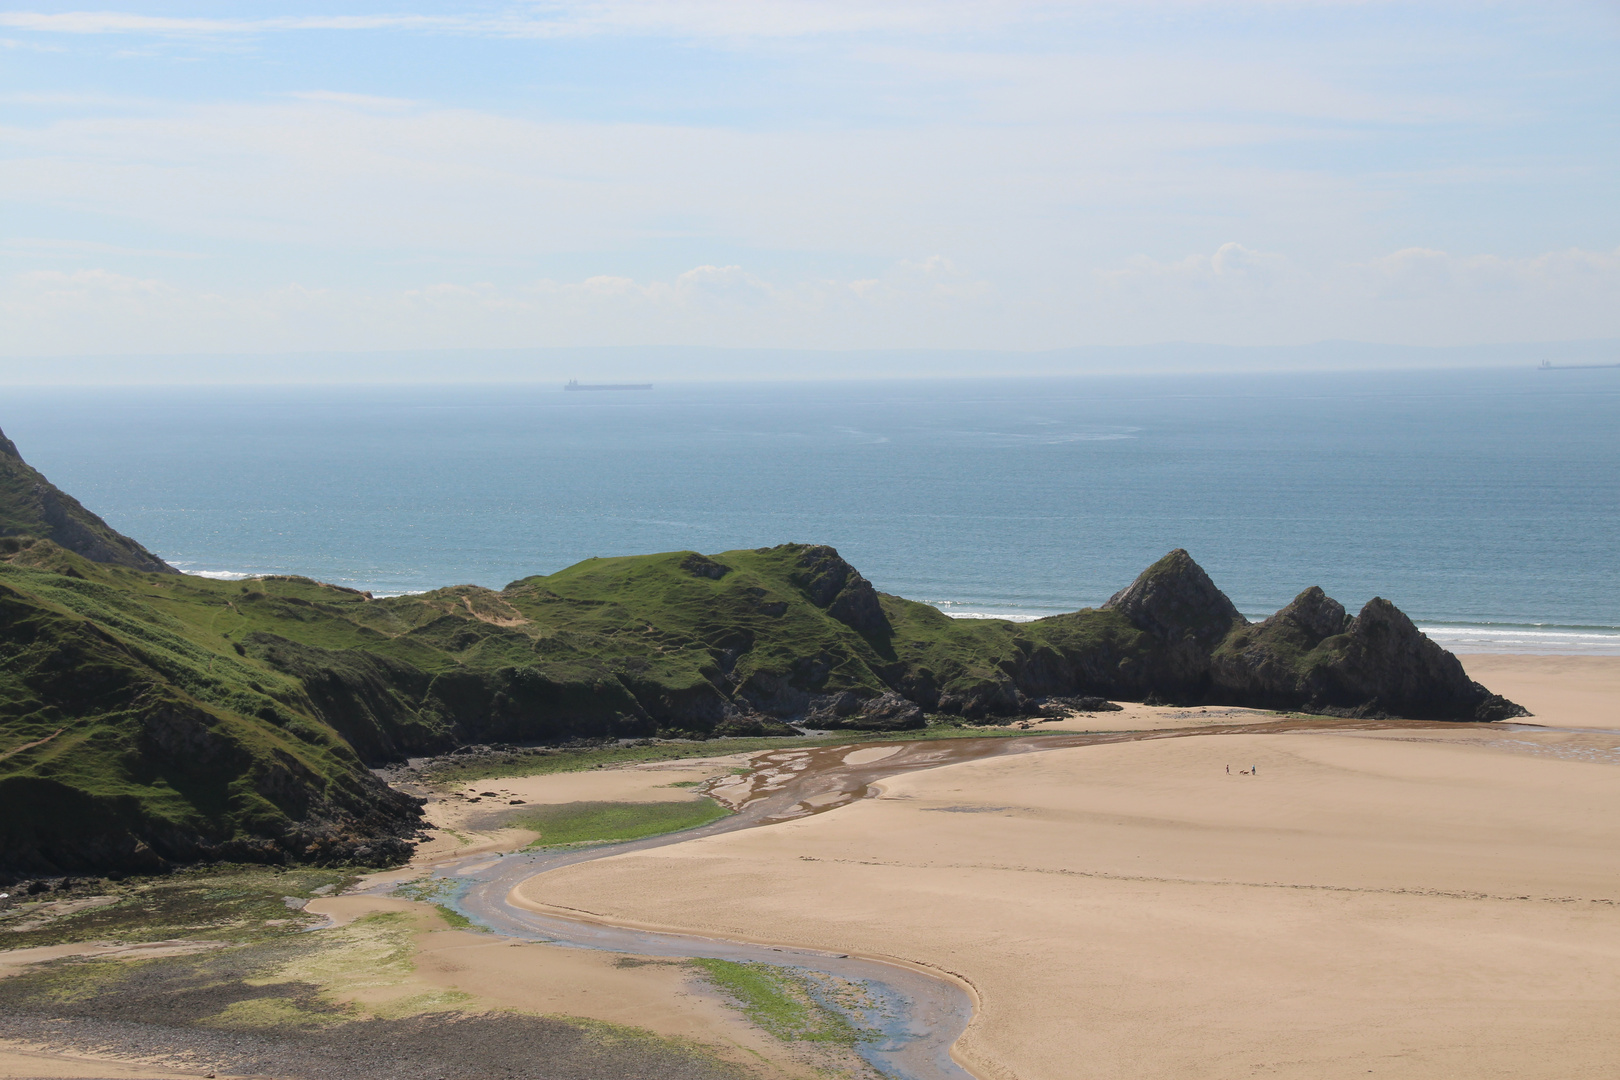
x: 194, y: 178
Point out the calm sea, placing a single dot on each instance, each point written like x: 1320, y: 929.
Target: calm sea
x: 1484, y: 503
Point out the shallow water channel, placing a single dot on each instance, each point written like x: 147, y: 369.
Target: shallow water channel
x: 917, y: 1016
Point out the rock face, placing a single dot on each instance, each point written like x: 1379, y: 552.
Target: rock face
x: 123, y: 769
x: 31, y: 505
x: 1175, y: 601
x: 838, y: 588
x: 1312, y: 656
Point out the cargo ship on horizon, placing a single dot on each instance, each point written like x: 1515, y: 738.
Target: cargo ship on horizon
x: 575, y: 384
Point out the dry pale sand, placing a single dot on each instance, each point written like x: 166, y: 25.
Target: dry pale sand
x: 1137, y: 717
x: 1562, y: 691
x: 1412, y: 903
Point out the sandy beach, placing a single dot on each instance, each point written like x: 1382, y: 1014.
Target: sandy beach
x: 1403, y: 903
x: 1410, y: 902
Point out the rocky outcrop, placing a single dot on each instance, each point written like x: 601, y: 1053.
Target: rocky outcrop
x: 1315, y: 614
x: 31, y: 505
x: 830, y: 583
x: 1312, y: 656
x: 1393, y: 668
x: 1175, y: 601
x: 848, y: 711
x: 702, y: 566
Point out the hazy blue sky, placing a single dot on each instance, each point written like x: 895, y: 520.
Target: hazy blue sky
x: 243, y: 177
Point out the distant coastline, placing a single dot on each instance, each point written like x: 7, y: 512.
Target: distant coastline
x: 1548, y: 365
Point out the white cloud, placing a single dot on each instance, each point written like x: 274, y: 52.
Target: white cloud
x: 768, y: 18
x: 1140, y: 182
x: 1422, y: 273
x: 1235, y: 294
x: 369, y: 174
x: 677, y: 18
x: 35, y: 247
x: 115, y: 22
x: 92, y: 311
x: 1232, y: 265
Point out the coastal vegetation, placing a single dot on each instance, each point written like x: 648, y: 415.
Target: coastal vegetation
x: 31, y: 505
x: 335, y: 1002
x: 792, y: 1004
x: 610, y: 822
x: 222, y: 904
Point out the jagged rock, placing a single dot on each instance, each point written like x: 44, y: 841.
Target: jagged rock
x: 832, y: 584
x: 1311, y: 656
x: 999, y: 698
x: 1397, y: 669
x: 1062, y: 706
x: 752, y: 725
x: 1176, y: 603
x: 705, y: 567
x: 1174, y: 600
x: 1316, y: 613
x: 849, y: 711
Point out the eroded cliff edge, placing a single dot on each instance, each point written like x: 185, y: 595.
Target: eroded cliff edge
x: 31, y: 505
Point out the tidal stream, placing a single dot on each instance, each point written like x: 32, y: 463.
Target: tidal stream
x: 918, y: 1015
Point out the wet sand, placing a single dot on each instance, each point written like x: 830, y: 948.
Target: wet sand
x: 1412, y: 901
x: 508, y: 973
x: 466, y: 819
x: 21, y: 1061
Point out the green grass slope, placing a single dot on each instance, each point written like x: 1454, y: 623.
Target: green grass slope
x: 31, y: 505
x: 133, y: 735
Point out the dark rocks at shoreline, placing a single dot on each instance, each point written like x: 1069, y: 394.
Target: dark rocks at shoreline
x: 1062, y: 706
x: 851, y: 712
x: 1312, y: 656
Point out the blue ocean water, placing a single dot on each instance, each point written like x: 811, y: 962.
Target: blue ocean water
x: 1485, y: 503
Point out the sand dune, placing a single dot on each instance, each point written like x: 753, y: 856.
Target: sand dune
x: 1395, y: 903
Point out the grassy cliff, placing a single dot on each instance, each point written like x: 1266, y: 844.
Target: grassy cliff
x: 134, y: 735
x: 31, y: 505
